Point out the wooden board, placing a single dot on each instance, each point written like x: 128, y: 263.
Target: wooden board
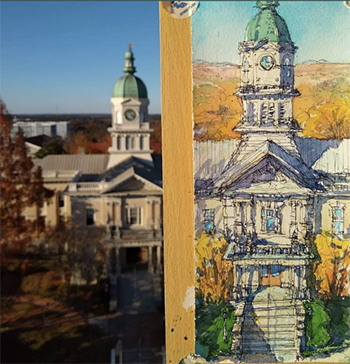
x: 176, y: 80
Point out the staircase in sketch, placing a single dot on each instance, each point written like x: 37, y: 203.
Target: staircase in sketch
x: 272, y: 327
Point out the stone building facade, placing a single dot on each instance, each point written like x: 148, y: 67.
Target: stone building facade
x: 120, y: 191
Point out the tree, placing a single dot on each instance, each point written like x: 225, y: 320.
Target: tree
x: 21, y: 188
x: 51, y: 147
x: 332, y: 269
x: 214, y: 273
x: 328, y: 120
x: 81, y: 252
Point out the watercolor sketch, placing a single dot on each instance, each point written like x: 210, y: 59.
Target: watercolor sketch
x: 271, y: 114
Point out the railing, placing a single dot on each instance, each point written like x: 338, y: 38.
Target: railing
x: 299, y: 249
x: 88, y: 186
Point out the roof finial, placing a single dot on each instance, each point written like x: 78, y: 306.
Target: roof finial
x: 267, y: 4
x: 129, y: 61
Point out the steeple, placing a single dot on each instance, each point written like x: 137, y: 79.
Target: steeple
x: 129, y: 68
x: 267, y: 87
x: 272, y: 4
x: 130, y: 131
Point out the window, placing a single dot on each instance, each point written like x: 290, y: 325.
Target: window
x: 275, y: 270
x: 118, y: 142
x: 141, y: 142
x: 265, y: 272
x: 263, y: 113
x: 134, y: 216
x: 127, y: 143
x: 208, y: 220
x: 270, y: 220
x: 61, y: 200
x: 90, y: 220
x: 287, y: 67
x: 271, y: 115
x: 338, y: 218
x: 282, y: 110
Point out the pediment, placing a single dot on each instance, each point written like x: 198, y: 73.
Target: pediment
x: 131, y: 184
x: 268, y: 163
x: 129, y: 180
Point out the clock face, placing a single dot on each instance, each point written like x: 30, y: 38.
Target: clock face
x: 267, y: 62
x: 130, y: 115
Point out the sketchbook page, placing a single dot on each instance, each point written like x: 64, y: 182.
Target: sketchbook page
x: 271, y: 129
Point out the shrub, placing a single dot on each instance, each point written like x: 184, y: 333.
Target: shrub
x: 210, y: 328
x: 317, y: 323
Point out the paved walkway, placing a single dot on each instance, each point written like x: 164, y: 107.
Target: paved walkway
x: 138, y: 291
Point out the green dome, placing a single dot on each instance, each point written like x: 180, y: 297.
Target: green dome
x: 268, y: 24
x: 130, y: 86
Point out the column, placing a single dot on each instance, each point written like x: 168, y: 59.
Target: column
x: 150, y: 260
x: 159, y: 262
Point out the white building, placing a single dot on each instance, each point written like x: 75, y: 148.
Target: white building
x: 50, y: 128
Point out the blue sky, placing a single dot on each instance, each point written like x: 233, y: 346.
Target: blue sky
x: 66, y: 56
x: 321, y: 29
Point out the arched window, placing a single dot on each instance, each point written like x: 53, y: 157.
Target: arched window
x: 287, y: 67
x: 118, y: 142
x: 132, y: 143
x: 127, y: 143
x: 245, y: 69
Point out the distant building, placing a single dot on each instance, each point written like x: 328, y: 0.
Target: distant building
x: 50, y: 128
x: 34, y: 144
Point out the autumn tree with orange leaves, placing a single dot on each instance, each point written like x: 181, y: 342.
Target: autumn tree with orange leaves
x: 333, y: 267
x: 213, y: 272
x: 21, y: 188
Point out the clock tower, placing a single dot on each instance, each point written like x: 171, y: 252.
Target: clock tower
x: 267, y: 87
x: 130, y: 130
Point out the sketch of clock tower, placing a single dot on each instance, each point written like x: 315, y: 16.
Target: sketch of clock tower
x: 130, y: 130
x: 267, y: 87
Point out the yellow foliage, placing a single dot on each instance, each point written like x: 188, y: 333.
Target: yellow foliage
x: 216, y: 110
x: 322, y: 109
x: 328, y: 120
x: 213, y: 272
x: 332, y: 272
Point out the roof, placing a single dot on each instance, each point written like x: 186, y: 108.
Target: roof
x: 86, y: 163
x: 39, y: 140
x: 268, y: 24
x: 294, y: 167
x: 130, y: 86
x: 140, y: 168
x: 335, y: 160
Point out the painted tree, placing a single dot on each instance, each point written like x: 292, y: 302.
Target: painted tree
x: 214, y: 273
x: 328, y: 120
x: 333, y: 268
x: 21, y: 188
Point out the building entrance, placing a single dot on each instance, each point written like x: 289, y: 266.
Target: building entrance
x: 271, y: 275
